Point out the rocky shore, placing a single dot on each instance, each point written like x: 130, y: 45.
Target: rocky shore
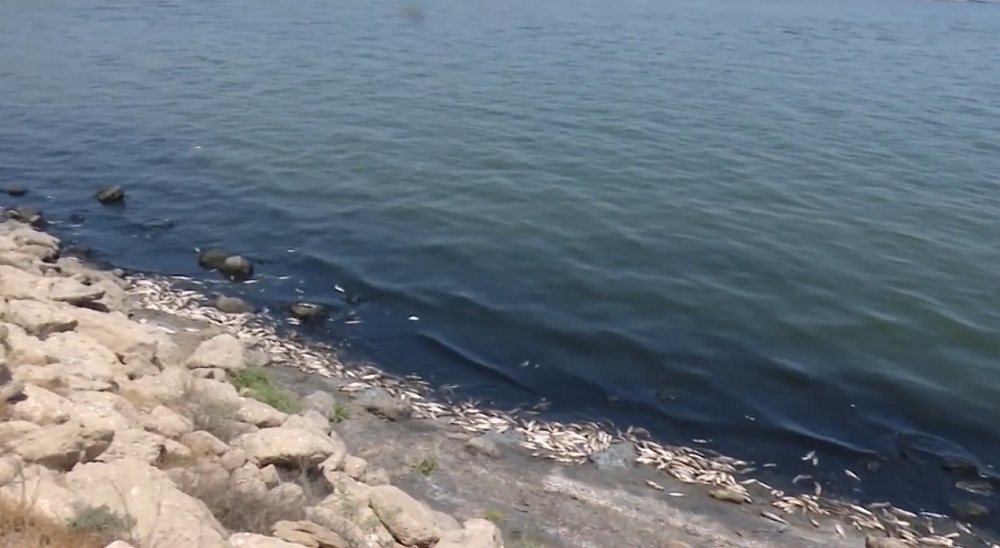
x: 140, y: 411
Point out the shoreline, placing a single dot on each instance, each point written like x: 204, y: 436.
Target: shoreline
x: 560, y: 442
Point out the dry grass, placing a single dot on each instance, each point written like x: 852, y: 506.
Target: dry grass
x: 239, y: 509
x: 23, y: 527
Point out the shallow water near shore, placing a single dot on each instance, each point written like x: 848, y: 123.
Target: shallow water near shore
x: 769, y: 225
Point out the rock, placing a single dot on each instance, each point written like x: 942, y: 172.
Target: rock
x: 170, y: 387
x: 11, y: 431
x: 289, y: 447
x: 336, y: 459
x: 103, y: 410
x: 872, y: 541
x: 307, y: 311
x: 618, y: 455
x: 222, y: 351
x: 729, y: 495
x: 307, y: 533
x: 212, y: 373
x: 270, y: 476
x: 44, y: 487
x: 15, y: 190
x: 968, y: 510
x: 136, y: 444
x: 376, y: 476
x: 37, y: 318
x: 345, y: 528
x: 311, y: 420
x: 175, y: 453
x: 233, y: 305
x: 213, y: 258
x: 410, y: 521
x: 121, y: 335
x: 110, y: 194
x: 260, y: 414
x: 42, y: 407
x: 476, y: 533
x: 290, y: 495
x: 348, y: 494
x: 203, y: 443
x: 380, y: 403
x: 62, y: 446
x: 248, y: 480
x: 203, y: 477
x: 321, y: 402
x: 446, y: 522
x: 81, y: 363
x: 253, y: 540
x: 164, y: 516
x: 74, y: 293
x: 237, y: 267
x: 355, y: 467
x: 482, y: 445
x: 28, y: 215
x: 167, y: 422
x: 233, y: 459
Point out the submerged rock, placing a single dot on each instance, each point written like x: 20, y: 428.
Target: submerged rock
x: 26, y: 214
x: 110, y: 194
x: 212, y: 257
x: 969, y: 510
x: 237, y: 267
x: 15, y: 190
x: 307, y: 311
x: 233, y: 305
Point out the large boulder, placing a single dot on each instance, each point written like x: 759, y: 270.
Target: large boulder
x: 171, y: 387
x: 289, y: 447
x: 410, y: 521
x: 167, y: 422
x: 123, y: 336
x: 42, y: 407
x: 37, y: 318
x: 103, y: 410
x: 260, y: 414
x: 137, y: 444
x: 62, y: 446
x: 222, y: 351
x: 164, y: 515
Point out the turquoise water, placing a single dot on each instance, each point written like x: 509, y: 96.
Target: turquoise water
x: 772, y: 224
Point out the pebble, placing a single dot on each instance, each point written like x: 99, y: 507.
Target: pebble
x: 15, y: 190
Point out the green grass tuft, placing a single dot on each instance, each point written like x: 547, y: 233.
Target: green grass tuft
x: 338, y: 413
x: 426, y: 466
x: 254, y: 382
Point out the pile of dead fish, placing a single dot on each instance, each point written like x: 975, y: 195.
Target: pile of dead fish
x: 558, y: 441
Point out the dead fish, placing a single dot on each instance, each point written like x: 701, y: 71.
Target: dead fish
x: 773, y: 517
x: 851, y: 475
x: 769, y: 465
x: 814, y: 523
x: 815, y: 461
x: 800, y: 477
x: 817, y: 488
x: 676, y: 494
x: 840, y: 530
x: 654, y: 485
x: 809, y: 456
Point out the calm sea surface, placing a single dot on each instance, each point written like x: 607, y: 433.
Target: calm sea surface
x: 771, y: 224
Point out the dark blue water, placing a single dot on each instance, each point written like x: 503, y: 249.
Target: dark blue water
x: 771, y: 223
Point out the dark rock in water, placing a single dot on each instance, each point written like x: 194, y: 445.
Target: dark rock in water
x: 959, y: 465
x: 233, y: 305
x: 307, y: 311
x: 969, y: 510
x: 15, y: 190
x: 983, y: 488
x: 237, y: 267
x: 76, y: 218
x: 110, y: 194
x: 619, y: 455
x: 213, y: 258
x: 382, y: 404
